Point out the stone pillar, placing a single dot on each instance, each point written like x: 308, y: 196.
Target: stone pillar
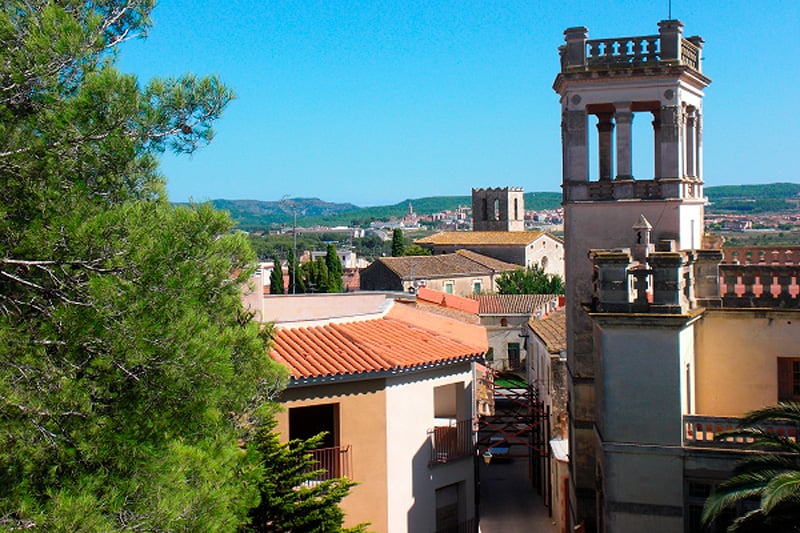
x: 668, y: 282
x: 691, y: 143
x: 670, y: 32
x: 613, y: 285
x: 624, y: 119
x: 698, y: 126
x: 656, y: 144
x: 605, y: 144
x: 669, y: 146
x: 706, y: 277
x: 575, y: 54
x: 575, y: 145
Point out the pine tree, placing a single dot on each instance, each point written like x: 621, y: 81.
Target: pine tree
x: 335, y: 270
x: 276, y: 277
x: 293, y: 499
x: 127, y: 358
x: 398, y: 246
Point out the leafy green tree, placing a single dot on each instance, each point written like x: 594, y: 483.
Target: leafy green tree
x: 127, y: 360
x: 398, y: 245
x: 531, y: 280
x: 416, y: 249
x: 276, y: 277
x: 292, y: 497
x: 771, y: 478
x: 335, y: 270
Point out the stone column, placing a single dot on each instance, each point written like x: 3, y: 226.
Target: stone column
x: 670, y: 32
x: 669, y: 147
x: 656, y: 144
x: 605, y: 144
x: 691, y: 143
x: 575, y: 53
x: 698, y: 154
x: 575, y: 145
x: 624, y: 119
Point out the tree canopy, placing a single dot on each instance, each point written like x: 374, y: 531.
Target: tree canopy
x: 127, y: 361
x: 531, y: 280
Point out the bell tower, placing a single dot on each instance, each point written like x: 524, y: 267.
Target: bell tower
x: 607, y: 84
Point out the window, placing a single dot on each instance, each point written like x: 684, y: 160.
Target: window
x: 306, y: 422
x: 448, y: 287
x: 788, y: 379
x: 513, y: 355
x: 448, y: 401
x: 476, y: 286
x: 497, y: 209
x: 516, y: 209
x: 484, y: 209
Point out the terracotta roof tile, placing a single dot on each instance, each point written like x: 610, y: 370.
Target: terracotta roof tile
x: 450, y: 301
x: 471, y: 238
x: 552, y: 329
x: 514, y: 304
x: 403, y: 338
x: 462, y: 262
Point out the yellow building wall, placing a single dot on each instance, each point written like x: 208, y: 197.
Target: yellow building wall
x: 736, y: 358
x: 362, y: 424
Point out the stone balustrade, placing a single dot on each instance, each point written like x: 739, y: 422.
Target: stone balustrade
x: 667, y: 48
x: 630, y: 51
x: 752, y: 255
x: 760, y: 285
x: 675, y: 282
x: 703, y: 431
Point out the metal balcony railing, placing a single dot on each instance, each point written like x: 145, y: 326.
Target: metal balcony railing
x: 331, y: 463
x: 451, y: 442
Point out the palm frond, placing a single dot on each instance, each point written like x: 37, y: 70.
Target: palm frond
x: 783, y: 488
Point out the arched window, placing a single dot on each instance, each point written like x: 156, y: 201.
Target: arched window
x: 516, y: 209
x: 484, y: 215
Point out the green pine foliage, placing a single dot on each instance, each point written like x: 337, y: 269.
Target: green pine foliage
x: 398, y: 245
x: 335, y: 270
x: 293, y: 499
x: 276, y: 277
x: 416, y: 249
x: 531, y: 280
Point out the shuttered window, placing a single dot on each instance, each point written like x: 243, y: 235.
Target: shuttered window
x: 788, y: 379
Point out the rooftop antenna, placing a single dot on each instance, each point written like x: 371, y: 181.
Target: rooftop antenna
x: 669, y: 9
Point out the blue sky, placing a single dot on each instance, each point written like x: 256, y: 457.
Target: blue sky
x: 374, y: 102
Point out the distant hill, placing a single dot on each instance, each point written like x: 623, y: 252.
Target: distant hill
x: 255, y: 214
x: 753, y: 199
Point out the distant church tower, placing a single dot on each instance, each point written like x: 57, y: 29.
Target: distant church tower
x: 608, y: 83
x: 498, y: 209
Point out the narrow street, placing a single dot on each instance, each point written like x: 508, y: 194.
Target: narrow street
x: 508, y: 501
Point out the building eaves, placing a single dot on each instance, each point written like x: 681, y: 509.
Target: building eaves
x: 486, y: 238
x: 552, y: 330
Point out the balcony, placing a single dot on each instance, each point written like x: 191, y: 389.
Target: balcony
x: 332, y: 463
x: 702, y: 431
x: 452, y: 442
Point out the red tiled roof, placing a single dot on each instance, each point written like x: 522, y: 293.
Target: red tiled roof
x: 511, y: 304
x: 462, y: 262
x: 552, y: 329
x: 496, y: 238
x: 402, y: 339
x: 450, y: 301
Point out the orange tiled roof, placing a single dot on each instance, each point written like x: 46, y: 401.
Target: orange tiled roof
x: 511, y: 304
x: 552, y: 329
x: 404, y: 338
x: 471, y: 238
x: 463, y: 262
x: 447, y: 300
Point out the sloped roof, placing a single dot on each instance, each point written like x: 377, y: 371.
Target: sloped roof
x: 460, y: 263
x: 552, y: 329
x: 443, y: 299
x: 472, y: 238
x: 403, y: 339
x: 512, y: 304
